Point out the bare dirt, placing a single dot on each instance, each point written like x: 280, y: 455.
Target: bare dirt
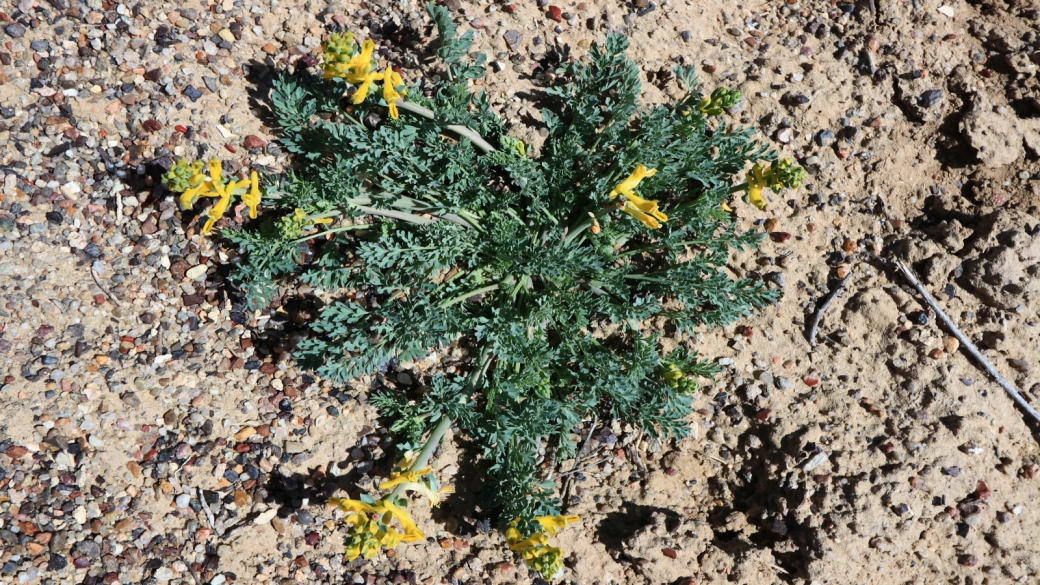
x: 881, y: 455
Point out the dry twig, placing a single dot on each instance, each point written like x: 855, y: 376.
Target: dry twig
x: 965, y: 342
x: 577, y: 460
x: 823, y: 308
x: 97, y: 281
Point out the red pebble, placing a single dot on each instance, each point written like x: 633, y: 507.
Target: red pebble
x: 780, y: 237
x: 982, y: 491
x: 253, y: 141
x: 180, y: 129
x: 152, y: 125
x: 811, y: 380
x: 312, y: 538
x: 230, y: 148
x: 763, y: 414
x: 555, y: 13
x: 669, y: 553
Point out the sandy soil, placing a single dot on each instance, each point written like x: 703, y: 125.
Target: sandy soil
x: 881, y: 455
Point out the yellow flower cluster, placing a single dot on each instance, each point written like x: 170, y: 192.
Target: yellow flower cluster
x: 642, y: 209
x: 292, y: 226
x: 780, y: 174
x: 535, y: 550
x: 720, y: 100
x: 370, y: 527
x: 192, y: 183
x: 340, y: 59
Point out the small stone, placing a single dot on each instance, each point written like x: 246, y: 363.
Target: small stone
x: 824, y: 137
x: 244, y: 433
x: 241, y: 498
x: 784, y: 135
x: 15, y: 30
x: 152, y: 125
x: 253, y: 141
x: 968, y: 560
x: 553, y: 12
x: 183, y: 500
x: 196, y: 272
x: 930, y: 98
x: 278, y: 524
x: 513, y: 39
x: 192, y: 93
x: 16, y: 451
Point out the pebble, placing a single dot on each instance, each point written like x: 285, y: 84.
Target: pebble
x: 15, y: 30
x: 930, y: 98
x: 196, y: 272
x: 183, y: 500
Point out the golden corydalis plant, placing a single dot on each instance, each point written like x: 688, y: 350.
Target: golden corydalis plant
x: 443, y: 230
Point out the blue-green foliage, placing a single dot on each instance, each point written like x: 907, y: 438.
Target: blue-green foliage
x: 516, y: 284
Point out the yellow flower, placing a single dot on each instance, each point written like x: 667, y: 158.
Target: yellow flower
x: 755, y: 183
x: 391, y: 81
x: 644, y: 210
x: 403, y: 477
x: 672, y: 376
x: 626, y: 187
x: 193, y: 181
x: 252, y: 199
x: 216, y: 212
x: 360, y: 72
x: 781, y: 174
x: 553, y: 524
x: 411, y: 531
x: 413, y: 482
x: 535, y: 550
x: 369, y: 527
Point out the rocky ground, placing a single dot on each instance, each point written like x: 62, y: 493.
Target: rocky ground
x: 155, y: 432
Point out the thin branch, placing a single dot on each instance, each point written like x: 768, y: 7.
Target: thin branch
x: 97, y: 281
x: 577, y: 460
x: 586, y: 466
x: 965, y: 342
x: 823, y: 308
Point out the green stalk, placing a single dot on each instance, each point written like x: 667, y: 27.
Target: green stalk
x: 462, y: 131
x: 345, y: 228
x: 467, y: 295
x: 476, y: 375
x: 424, y: 455
x: 659, y: 246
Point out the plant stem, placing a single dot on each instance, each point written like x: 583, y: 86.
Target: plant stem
x: 467, y: 295
x: 345, y: 228
x: 462, y: 131
x: 661, y: 245
x: 475, y: 377
x: 431, y: 445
